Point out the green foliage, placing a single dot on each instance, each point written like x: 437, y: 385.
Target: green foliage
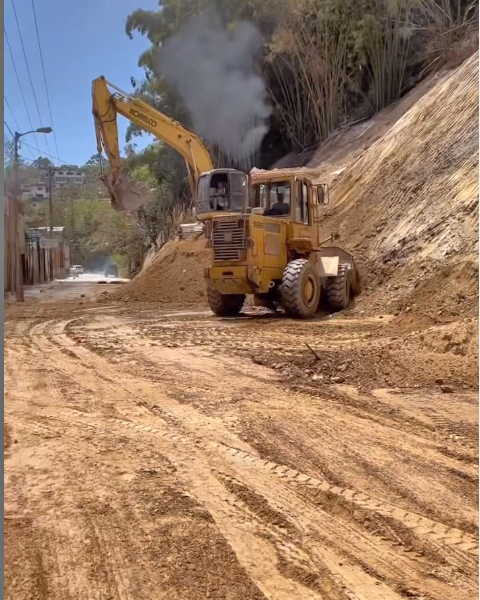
x: 42, y: 163
x: 95, y: 164
x: 325, y: 62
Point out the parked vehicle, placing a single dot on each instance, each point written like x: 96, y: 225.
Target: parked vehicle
x: 111, y: 271
x: 76, y: 270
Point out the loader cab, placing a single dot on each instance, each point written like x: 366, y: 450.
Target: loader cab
x: 298, y: 194
x: 294, y: 199
x: 221, y: 191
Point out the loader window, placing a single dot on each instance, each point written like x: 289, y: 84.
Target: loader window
x: 301, y: 212
x: 260, y: 196
x: 274, y: 198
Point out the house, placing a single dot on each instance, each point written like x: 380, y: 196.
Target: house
x: 37, y: 190
x: 68, y: 175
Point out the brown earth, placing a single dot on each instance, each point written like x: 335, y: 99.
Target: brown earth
x: 156, y: 459
x: 409, y: 205
x: 174, y: 277
x: 405, y: 201
x: 152, y: 453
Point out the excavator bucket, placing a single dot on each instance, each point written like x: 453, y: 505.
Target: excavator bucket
x: 124, y: 194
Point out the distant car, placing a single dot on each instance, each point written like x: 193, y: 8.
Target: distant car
x: 111, y: 271
x: 76, y: 270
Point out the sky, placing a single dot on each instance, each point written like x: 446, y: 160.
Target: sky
x: 80, y: 41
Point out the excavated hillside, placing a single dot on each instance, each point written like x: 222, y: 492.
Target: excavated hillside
x: 409, y: 204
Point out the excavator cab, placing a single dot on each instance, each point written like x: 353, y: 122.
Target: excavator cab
x: 221, y: 191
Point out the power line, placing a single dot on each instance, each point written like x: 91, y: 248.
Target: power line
x: 65, y: 162
x: 15, y: 121
x: 6, y: 125
x: 19, y: 84
x: 44, y: 76
x: 28, y: 145
x: 28, y: 70
x: 10, y: 109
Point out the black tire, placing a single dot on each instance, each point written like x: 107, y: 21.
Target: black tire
x: 338, y: 289
x: 300, y: 289
x: 224, y: 305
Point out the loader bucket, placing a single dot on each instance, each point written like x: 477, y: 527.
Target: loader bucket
x: 125, y: 195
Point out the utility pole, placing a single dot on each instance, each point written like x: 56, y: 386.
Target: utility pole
x: 19, y: 291
x: 51, y: 171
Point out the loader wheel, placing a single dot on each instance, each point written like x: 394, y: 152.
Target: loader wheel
x: 300, y: 289
x: 224, y: 305
x: 338, y: 289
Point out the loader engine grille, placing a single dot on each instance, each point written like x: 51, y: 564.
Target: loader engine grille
x: 229, y: 238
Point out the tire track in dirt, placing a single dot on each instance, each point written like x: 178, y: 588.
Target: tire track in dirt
x: 419, y: 421
x: 170, y: 366
x: 254, y: 553
x: 413, y: 521
x: 444, y: 417
x: 225, y: 506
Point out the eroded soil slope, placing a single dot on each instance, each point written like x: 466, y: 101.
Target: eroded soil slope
x: 409, y: 205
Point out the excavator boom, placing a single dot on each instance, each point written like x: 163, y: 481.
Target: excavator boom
x: 106, y: 106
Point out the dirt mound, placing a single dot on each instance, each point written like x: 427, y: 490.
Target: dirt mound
x: 459, y: 338
x: 387, y: 365
x: 174, y: 277
x: 378, y: 357
x: 409, y: 205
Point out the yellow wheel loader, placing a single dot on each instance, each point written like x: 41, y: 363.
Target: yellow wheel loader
x: 269, y: 244
x: 263, y: 228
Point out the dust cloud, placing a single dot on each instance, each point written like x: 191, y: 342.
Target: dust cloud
x: 213, y: 71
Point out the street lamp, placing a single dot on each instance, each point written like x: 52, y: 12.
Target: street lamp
x: 16, y: 138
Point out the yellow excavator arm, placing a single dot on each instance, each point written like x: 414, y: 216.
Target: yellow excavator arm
x: 106, y: 106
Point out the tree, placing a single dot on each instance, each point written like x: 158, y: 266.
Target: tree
x: 42, y: 163
x: 155, y: 219
x: 95, y: 163
x: 94, y: 160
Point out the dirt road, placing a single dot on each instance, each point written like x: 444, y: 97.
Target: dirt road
x: 148, y: 456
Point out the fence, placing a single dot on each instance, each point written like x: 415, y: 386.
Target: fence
x: 45, y: 259
x: 13, y: 244
x: 26, y: 261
